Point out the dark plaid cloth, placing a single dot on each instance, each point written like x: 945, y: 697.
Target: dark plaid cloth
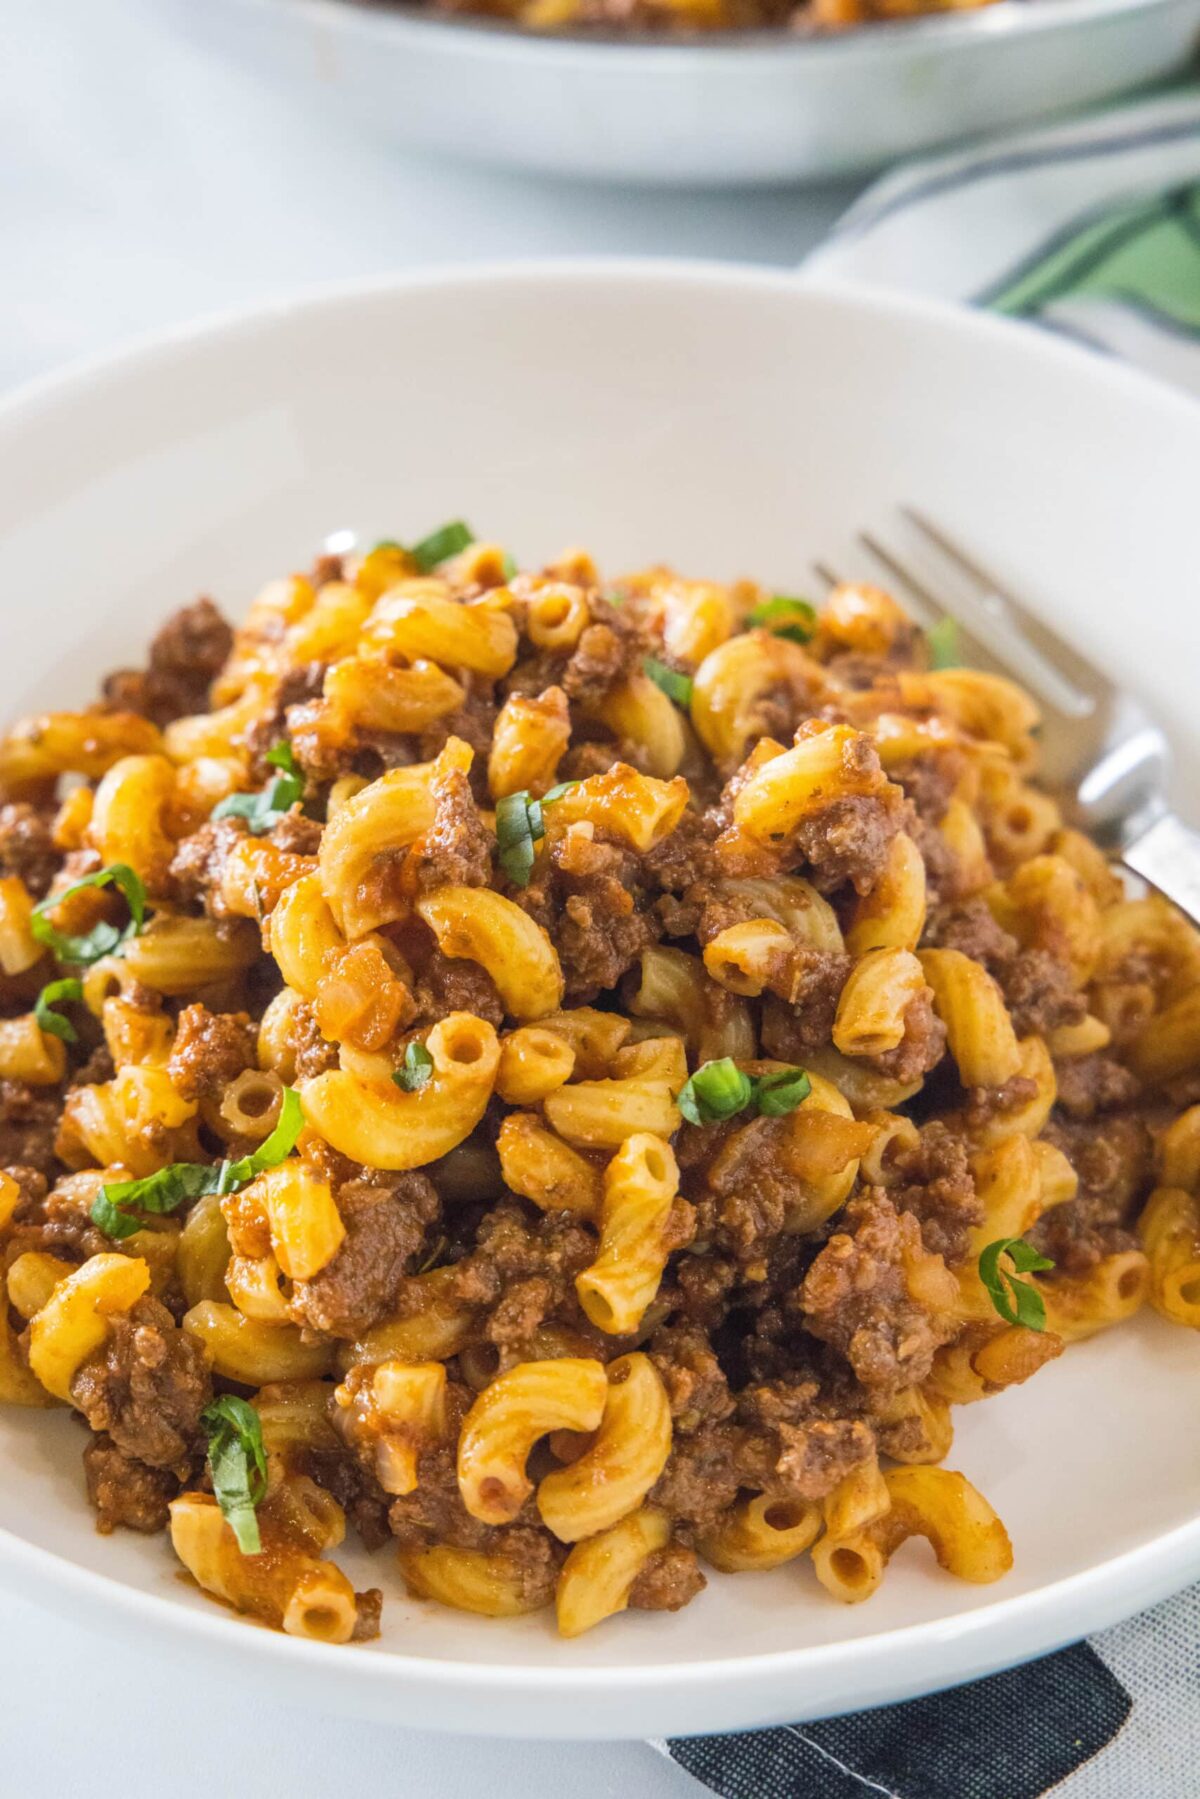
x: 1012, y: 1736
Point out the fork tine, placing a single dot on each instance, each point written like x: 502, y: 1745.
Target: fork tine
x: 1069, y: 664
x: 1001, y: 640
x: 911, y: 580
x: 824, y: 573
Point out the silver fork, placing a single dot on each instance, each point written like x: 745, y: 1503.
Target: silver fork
x: 1104, y: 759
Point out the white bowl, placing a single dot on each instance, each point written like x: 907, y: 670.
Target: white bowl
x: 750, y: 107
x: 731, y: 422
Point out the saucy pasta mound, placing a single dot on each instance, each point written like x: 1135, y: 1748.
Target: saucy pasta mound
x: 575, y: 1079
x: 691, y: 18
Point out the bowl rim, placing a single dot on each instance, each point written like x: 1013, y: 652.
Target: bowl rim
x: 501, y: 38
x: 1046, y: 1615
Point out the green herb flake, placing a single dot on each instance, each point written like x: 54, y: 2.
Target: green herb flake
x: 282, y: 755
x: 509, y: 567
x: 716, y: 1091
x: 263, y: 811
x: 237, y: 1461
x: 942, y: 642
x: 441, y: 544
x: 53, y: 1023
x: 272, y: 1150
x: 720, y: 1090
x: 775, y: 1095
x: 104, y: 938
x: 785, y: 616
x: 677, y: 687
x: 417, y: 1071
x: 166, y: 1190
x: 556, y: 793
x: 519, y: 825
x: 1018, y: 1302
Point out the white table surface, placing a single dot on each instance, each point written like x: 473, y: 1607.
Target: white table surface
x: 142, y: 184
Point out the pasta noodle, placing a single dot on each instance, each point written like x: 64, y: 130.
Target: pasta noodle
x: 587, y: 1076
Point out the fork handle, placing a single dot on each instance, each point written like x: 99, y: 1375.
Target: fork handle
x: 1168, y: 856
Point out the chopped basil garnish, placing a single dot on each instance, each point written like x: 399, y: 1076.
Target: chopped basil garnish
x: 238, y: 1464
x: 777, y: 1094
x: 519, y: 825
x: 262, y: 811
x: 156, y: 1193
x: 417, y: 1071
x: 717, y: 1090
x: 53, y: 1022
x: 103, y: 938
x: 440, y: 545
x: 786, y: 616
x: 720, y: 1090
x: 943, y: 644
x: 282, y: 755
x: 1018, y: 1302
x: 166, y: 1190
x: 677, y: 687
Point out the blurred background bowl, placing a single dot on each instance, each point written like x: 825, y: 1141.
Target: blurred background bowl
x: 733, y: 108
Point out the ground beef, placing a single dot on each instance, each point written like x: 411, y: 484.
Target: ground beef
x: 27, y: 847
x: 368, y: 1610
x: 297, y: 835
x: 57, y: 1222
x: 1040, y: 992
x: 446, y: 984
x: 855, y: 1296
x: 1088, y: 1085
x: 457, y: 850
x: 297, y: 688
x: 984, y: 1104
x: 706, y: 1470
x: 936, y: 1185
x: 210, y: 1050
x: 474, y: 722
x: 125, y: 1491
x: 849, y: 840
x: 922, y: 1046
x: 681, y: 869
x: 749, y: 1188
x: 199, y: 862
x: 185, y: 657
x: 971, y: 929
x: 326, y: 568
x: 1114, y: 1160
x: 522, y: 1268
x: 700, y: 1288
x: 386, y: 1225
x: 314, y: 1054
x: 817, y: 1455
x: 146, y: 1389
x: 929, y: 780
x: 610, y: 649
x: 592, y: 898
x: 29, y: 1125
x: 353, y: 1486
x: 693, y: 1377
x: 804, y: 1021
x: 668, y: 1580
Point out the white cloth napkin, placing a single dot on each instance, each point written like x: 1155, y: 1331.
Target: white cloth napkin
x: 1091, y: 229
